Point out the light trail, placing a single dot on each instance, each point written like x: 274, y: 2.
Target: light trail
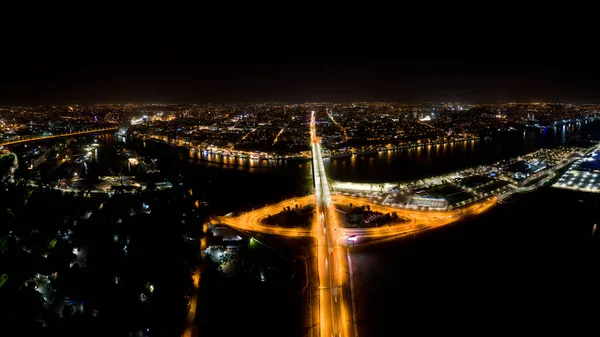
x: 338, y: 125
x: 55, y: 136
x: 429, y: 125
x: 333, y: 322
x: 325, y: 231
x: 277, y: 137
x: 249, y: 133
x: 333, y: 257
x: 253, y: 221
x: 190, y: 328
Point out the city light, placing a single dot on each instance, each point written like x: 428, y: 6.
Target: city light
x: 382, y: 210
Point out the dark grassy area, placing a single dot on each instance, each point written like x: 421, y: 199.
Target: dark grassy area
x: 135, y: 252
x: 443, y: 190
x: 292, y: 217
x: 246, y: 302
x: 474, y: 181
x: 452, y: 193
x: 517, y: 255
x: 5, y: 164
x: 456, y: 198
x: 362, y: 216
x: 493, y: 186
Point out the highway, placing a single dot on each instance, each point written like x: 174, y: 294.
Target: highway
x: 328, y: 255
x: 190, y: 327
x: 416, y: 220
x: 20, y: 141
x: 336, y: 315
x: 190, y: 321
x: 339, y: 126
x: 335, y: 300
x: 253, y: 221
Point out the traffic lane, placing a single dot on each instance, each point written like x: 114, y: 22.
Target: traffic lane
x: 337, y: 277
x: 409, y: 213
x: 253, y: 220
x: 418, y: 224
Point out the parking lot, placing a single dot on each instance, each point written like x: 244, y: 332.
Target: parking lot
x: 579, y: 180
x: 583, y: 175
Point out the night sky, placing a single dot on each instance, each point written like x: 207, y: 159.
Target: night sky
x: 232, y: 70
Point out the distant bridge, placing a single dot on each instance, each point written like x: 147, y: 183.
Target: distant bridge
x: 33, y: 139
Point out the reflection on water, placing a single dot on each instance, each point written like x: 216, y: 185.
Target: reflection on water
x: 410, y: 163
x: 213, y: 160
x: 414, y: 163
x: 106, y: 159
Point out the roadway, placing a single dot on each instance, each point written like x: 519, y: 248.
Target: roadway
x: 334, y: 319
x: 20, y: 141
x: 416, y: 220
x: 339, y: 126
x: 253, y: 221
x: 335, y: 300
x: 336, y: 309
x: 190, y: 321
x: 190, y: 326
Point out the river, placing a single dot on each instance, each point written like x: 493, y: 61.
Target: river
x: 419, y: 162
x: 526, y: 266
x: 242, y: 184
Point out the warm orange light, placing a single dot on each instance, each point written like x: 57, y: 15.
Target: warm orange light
x: 417, y: 220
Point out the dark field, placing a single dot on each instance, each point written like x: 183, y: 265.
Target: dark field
x: 529, y: 266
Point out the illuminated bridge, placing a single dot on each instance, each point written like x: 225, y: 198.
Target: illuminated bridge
x: 33, y: 139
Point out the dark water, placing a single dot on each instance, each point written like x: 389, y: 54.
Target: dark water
x: 527, y: 266
x: 227, y: 188
x: 107, y: 161
x: 233, y: 184
x: 230, y: 188
x: 250, y: 165
x: 238, y: 189
x: 530, y: 266
x: 409, y: 164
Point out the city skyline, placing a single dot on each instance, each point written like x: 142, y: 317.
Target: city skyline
x: 295, y: 187
x: 289, y: 211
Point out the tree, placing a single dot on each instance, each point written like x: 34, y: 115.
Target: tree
x: 3, y: 245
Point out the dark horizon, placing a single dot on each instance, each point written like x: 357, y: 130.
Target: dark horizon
x: 75, y: 103
x: 253, y: 72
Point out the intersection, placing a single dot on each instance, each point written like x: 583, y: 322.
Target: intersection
x: 336, y: 316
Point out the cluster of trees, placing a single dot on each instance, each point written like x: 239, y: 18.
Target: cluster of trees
x: 356, y: 217
x: 122, y: 256
x: 290, y: 217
